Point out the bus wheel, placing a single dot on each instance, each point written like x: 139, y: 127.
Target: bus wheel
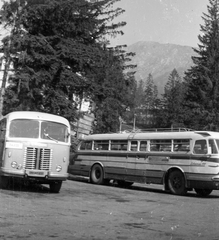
x: 96, y: 175
x: 55, y: 186
x: 203, y: 192
x: 176, y: 183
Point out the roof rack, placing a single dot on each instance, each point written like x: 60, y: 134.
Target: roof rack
x: 159, y: 130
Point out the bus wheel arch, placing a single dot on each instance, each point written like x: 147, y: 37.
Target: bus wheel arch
x: 175, y: 181
x: 97, y: 174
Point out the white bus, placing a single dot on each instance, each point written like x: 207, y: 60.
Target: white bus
x: 34, y: 147
x: 180, y: 161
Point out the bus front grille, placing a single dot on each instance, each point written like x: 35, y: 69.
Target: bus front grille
x: 37, y: 158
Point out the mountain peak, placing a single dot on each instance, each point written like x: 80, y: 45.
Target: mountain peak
x: 159, y: 60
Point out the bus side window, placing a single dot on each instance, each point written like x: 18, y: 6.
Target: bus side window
x: 119, y: 145
x: 101, y: 145
x: 2, y: 128
x: 143, y: 146
x: 182, y: 145
x: 134, y: 146
x: 160, y: 145
x: 86, y: 145
x: 154, y: 146
x: 200, y: 147
x: 213, y: 148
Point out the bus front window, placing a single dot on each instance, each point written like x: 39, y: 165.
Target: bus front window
x: 24, y: 128
x: 54, y: 131
x: 214, y: 145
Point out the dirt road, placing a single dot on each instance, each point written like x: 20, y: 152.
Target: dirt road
x: 82, y: 211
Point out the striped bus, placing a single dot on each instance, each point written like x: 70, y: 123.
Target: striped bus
x: 34, y: 147
x: 181, y: 161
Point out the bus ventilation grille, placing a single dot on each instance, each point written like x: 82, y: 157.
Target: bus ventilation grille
x: 37, y: 158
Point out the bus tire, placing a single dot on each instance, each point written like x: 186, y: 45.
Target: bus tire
x: 176, y: 183
x: 97, y: 174
x: 55, y: 186
x: 203, y: 192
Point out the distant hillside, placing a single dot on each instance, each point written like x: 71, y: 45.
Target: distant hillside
x: 159, y: 60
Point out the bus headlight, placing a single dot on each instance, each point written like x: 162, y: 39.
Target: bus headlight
x: 58, y: 168
x: 14, y: 164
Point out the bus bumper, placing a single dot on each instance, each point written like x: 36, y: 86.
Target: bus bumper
x: 34, y: 174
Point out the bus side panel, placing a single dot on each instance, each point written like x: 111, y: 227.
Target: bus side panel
x: 136, y: 167
x: 60, y: 158
x: 201, y: 173
x: 80, y: 164
x: 2, y: 145
x: 115, y: 166
x: 10, y: 156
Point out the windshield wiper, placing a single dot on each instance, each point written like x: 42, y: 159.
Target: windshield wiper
x: 47, y: 135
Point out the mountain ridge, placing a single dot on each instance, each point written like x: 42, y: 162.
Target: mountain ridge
x: 159, y: 60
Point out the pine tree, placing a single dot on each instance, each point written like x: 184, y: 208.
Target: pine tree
x: 146, y: 116
x: 202, y: 79
x: 139, y: 94
x: 58, y: 48
x: 112, y: 95
x: 151, y: 93
x: 172, y: 101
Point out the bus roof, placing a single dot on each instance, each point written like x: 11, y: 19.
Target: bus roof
x: 36, y: 115
x: 153, y: 135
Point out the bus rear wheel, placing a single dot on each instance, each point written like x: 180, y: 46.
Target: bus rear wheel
x: 55, y: 186
x: 203, y: 192
x: 176, y: 183
x: 96, y: 175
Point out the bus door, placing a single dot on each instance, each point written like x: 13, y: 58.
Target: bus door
x: 136, y: 161
x: 117, y: 158
x: 199, y: 157
x: 2, y: 140
x: 158, y: 160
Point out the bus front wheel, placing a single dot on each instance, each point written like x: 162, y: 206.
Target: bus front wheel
x: 96, y: 175
x: 55, y: 186
x: 176, y: 183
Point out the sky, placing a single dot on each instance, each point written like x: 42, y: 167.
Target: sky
x: 163, y: 21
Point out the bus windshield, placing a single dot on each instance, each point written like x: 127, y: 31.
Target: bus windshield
x: 24, y: 128
x: 54, y: 131
x: 27, y: 128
